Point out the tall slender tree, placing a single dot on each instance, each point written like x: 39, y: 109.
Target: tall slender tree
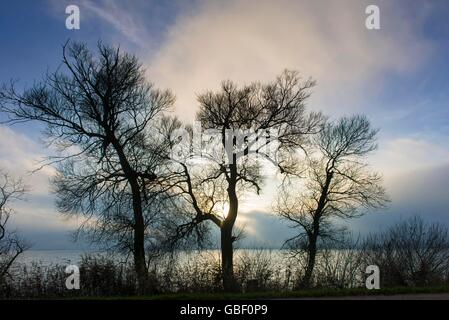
x: 338, y: 184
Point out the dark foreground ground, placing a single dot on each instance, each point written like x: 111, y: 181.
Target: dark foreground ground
x: 413, y: 296
x: 400, y: 293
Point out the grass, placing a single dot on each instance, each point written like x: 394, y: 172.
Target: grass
x: 312, y: 293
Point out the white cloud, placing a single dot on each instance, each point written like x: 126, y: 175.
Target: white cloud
x: 255, y: 40
x: 403, y: 155
x: 118, y: 17
x: 20, y: 156
x: 30, y: 216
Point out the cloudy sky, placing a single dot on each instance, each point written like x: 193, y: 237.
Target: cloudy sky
x: 396, y: 75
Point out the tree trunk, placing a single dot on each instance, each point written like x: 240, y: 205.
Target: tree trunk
x: 313, y: 235
x: 311, y: 257
x: 139, y: 241
x: 227, y: 256
x: 139, y: 223
x: 227, y: 239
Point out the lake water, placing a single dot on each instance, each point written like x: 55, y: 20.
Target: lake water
x: 66, y: 257
x: 50, y: 257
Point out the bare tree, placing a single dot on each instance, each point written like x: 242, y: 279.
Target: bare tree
x: 410, y: 253
x: 11, y: 245
x: 231, y: 164
x: 100, y: 112
x: 338, y: 184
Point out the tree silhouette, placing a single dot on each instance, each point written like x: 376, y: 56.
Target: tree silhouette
x: 11, y: 245
x: 100, y: 112
x: 411, y: 252
x: 338, y: 184
x: 243, y: 124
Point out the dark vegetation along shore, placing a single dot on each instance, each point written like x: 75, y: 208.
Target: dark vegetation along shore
x: 412, y: 257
